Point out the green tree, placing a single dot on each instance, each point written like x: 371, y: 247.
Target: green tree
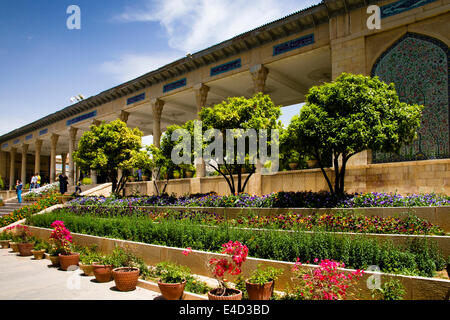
x: 108, y: 148
x: 258, y: 112
x: 352, y: 114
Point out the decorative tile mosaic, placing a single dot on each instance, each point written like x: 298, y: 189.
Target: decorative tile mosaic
x: 175, y: 85
x: 81, y: 118
x: 135, y: 99
x: 402, y: 6
x: 293, y: 44
x: 43, y: 131
x: 419, y: 68
x: 231, y: 65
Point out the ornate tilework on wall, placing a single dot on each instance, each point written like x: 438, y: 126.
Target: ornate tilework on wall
x: 419, y: 68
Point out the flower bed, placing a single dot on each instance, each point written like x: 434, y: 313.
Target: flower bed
x: 417, y: 257
x: 331, y: 222
x: 277, y: 200
x: 42, y: 191
x: 28, y: 210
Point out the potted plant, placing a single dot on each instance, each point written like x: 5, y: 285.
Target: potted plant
x: 25, y: 242
x: 238, y: 254
x: 294, y: 158
x: 5, y: 239
x: 54, y: 255
x: 63, y: 241
x: 172, y: 280
x: 103, y: 269
x: 176, y: 174
x: 87, y: 260
x: 131, y: 178
x: 312, y: 162
x: 39, y: 249
x: 188, y: 170
x: 126, y: 271
x: 261, y: 283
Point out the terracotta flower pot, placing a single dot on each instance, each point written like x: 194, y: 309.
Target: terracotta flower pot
x: 102, y: 273
x: 312, y: 163
x: 54, y: 260
x: 172, y: 291
x: 14, y: 247
x: 230, y: 294
x: 259, y: 291
x: 67, y: 260
x: 5, y: 243
x: 25, y: 249
x: 189, y: 174
x: 88, y: 269
x: 38, y: 254
x: 126, y: 279
x: 293, y: 165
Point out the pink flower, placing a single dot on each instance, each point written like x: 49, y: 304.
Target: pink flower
x: 187, y: 251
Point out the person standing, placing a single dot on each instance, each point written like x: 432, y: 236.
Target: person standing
x: 61, y: 183
x: 19, y: 187
x: 38, y: 180
x: 33, y: 182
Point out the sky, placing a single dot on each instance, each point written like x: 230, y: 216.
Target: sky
x: 43, y: 63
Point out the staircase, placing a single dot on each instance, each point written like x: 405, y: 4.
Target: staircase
x: 11, y: 206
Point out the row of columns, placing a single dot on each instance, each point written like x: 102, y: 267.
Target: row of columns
x: 259, y: 75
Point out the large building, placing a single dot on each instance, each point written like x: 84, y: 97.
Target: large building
x: 283, y: 59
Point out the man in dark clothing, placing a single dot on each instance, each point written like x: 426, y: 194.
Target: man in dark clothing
x: 63, y: 181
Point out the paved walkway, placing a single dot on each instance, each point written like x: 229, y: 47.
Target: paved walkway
x: 24, y: 278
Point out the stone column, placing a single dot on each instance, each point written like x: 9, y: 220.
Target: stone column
x: 72, y: 147
x: 63, y: 162
x: 201, y: 95
x: 37, y: 156
x: 259, y: 76
x: 12, y: 178
x: 93, y: 173
x: 54, y: 141
x: 157, y: 107
x: 123, y: 116
x: 23, y: 171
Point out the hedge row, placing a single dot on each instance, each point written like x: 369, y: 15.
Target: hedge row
x: 417, y: 257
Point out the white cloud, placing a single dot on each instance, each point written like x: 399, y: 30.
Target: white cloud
x: 193, y: 25
x: 130, y: 66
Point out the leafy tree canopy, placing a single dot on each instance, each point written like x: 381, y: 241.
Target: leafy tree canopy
x: 352, y: 114
x: 107, y: 148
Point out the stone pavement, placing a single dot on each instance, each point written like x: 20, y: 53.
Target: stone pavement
x: 23, y: 278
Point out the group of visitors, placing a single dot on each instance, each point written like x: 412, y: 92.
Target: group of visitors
x: 35, y: 181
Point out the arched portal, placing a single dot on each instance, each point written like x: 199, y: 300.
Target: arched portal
x: 419, y: 67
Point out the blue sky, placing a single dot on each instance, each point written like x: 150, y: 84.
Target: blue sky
x: 43, y: 63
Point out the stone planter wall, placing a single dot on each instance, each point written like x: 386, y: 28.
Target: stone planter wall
x: 418, y: 288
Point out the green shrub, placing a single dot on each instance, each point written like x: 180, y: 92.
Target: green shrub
x: 169, y: 272
x: 418, y: 258
x: 86, y: 181
x: 262, y: 276
x: 391, y: 290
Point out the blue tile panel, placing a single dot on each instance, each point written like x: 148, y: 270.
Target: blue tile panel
x: 175, y: 85
x: 293, y: 44
x: 231, y: 65
x: 402, y: 6
x: 81, y: 118
x: 135, y: 99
